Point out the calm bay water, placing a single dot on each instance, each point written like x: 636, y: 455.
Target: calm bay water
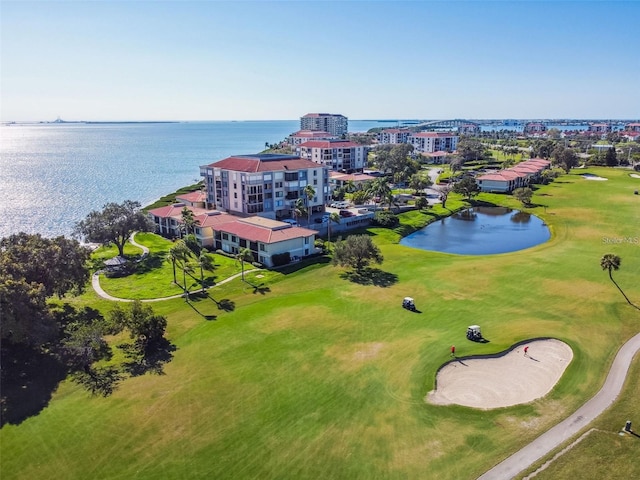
x: 53, y: 175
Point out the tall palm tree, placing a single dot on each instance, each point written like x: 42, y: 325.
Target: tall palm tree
x: 206, y: 263
x: 180, y: 254
x: 333, y: 218
x: 189, y: 221
x: 172, y: 257
x: 298, y: 209
x: 611, y: 262
x: 244, y: 255
x: 379, y: 188
x: 310, y: 193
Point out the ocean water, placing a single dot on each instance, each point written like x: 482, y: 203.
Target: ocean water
x: 53, y: 175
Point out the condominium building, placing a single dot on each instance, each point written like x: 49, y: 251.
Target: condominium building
x: 533, y: 128
x: 302, y: 136
x: 267, y: 185
x: 337, y: 155
x: 336, y: 125
x: 599, y: 128
x: 394, y: 135
x: 429, y: 142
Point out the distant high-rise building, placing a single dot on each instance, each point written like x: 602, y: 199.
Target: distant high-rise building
x: 337, y: 125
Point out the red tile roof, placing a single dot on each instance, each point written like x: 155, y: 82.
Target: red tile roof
x: 175, y: 211
x: 254, y: 233
x: 494, y: 176
x: 312, y: 134
x: 264, y: 163
x: 214, y: 219
x: 193, y: 197
x: 316, y: 115
x: 353, y: 177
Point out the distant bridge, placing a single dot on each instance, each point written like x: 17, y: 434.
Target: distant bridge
x: 447, y: 123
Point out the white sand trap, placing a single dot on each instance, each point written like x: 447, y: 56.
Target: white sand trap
x: 587, y: 176
x: 504, y: 381
x: 634, y: 175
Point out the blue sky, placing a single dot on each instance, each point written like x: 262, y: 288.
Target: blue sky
x: 214, y: 60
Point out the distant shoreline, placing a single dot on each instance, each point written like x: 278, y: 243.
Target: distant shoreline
x: 83, y: 122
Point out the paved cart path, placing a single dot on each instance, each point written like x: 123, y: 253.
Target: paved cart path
x: 566, y: 429
x: 95, y: 281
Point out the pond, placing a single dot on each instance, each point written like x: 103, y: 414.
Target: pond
x: 481, y: 231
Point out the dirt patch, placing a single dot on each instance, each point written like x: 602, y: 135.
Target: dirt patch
x: 511, y: 379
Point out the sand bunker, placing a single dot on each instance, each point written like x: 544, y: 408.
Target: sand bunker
x: 504, y: 381
x: 588, y: 176
x: 634, y: 175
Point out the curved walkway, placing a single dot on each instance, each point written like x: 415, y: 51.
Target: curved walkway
x: 95, y: 280
x: 145, y: 250
x: 566, y: 429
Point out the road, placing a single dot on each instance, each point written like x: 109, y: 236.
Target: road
x: 569, y: 427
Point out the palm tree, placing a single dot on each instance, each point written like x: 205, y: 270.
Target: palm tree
x: 298, y: 209
x: 349, y: 186
x: 335, y: 218
x: 310, y: 193
x: 189, y: 222
x: 180, y: 253
x: 172, y: 257
x: 611, y: 262
x: 244, y: 255
x: 379, y: 188
x: 206, y: 263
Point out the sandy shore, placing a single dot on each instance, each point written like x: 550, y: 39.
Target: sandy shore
x: 509, y: 380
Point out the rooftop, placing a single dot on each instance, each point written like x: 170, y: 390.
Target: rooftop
x: 264, y: 162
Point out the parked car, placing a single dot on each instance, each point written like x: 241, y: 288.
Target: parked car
x: 290, y: 221
x: 346, y: 213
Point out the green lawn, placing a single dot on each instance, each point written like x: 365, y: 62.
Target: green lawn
x: 154, y: 275
x: 312, y: 376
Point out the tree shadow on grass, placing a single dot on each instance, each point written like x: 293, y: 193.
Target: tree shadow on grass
x: 27, y: 381
x: 371, y: 276
x: 474, y: 202
x: 99, y: 381
x: 294, y: 267
x: 261, y: 288
x: 151, y: 360
x: 153, y: 261
x: 196, y: 298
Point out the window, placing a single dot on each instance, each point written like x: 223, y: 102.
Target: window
x: 234, y: 239
x: 225, y: 236
x: 262, y: 247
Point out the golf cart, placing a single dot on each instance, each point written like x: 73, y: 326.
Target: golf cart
x: 474, y: 334
x: 408, y: 304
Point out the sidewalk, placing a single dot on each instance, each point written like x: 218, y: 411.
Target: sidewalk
x: 95, y: 281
